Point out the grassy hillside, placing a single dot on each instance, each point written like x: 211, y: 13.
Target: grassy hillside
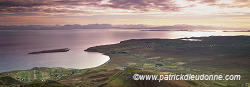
x: 9, y: 82
x: 42, y: 73
x: 124, y: 79
x: 205, y: 55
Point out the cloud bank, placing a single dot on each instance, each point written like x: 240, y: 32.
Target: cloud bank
x: 95, y: 6
x: 84, y: 6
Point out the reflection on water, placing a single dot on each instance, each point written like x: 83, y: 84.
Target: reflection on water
x: 192, y: 39
x: 16, y: 44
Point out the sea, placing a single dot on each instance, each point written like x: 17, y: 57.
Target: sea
x: 16, y: 44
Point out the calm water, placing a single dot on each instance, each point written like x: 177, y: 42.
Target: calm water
x: 15, y: 45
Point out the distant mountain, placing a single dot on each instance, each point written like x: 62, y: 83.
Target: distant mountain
x: 89, y: 26
x: 44, y: 27
x: 130, y: 26
x: 105, y: 26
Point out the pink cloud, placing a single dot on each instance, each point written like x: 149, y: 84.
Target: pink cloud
x: 50, y: 6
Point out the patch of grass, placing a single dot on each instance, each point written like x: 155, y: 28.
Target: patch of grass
x: 153, y: 57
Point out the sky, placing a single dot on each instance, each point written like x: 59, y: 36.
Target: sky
x: 221, y: 13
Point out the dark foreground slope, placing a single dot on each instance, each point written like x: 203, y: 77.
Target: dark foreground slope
x: 117, y: 78
x: 96, y: 77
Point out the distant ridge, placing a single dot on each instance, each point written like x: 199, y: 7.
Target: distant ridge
x: 107, y: 26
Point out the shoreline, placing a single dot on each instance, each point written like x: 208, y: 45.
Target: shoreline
x: 90, y: 49
x: 170, y: 56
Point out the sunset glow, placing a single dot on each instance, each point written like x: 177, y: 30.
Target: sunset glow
x: 229, y: 13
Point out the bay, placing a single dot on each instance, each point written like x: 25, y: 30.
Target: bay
x: 16, y: 44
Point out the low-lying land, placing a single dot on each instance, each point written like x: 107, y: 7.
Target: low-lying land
x: 214, y: 55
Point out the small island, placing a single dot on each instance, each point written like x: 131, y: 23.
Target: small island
x: 51, y: 51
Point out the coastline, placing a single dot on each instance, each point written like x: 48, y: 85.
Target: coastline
x: 204, y: 55
x: 175, y: 56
